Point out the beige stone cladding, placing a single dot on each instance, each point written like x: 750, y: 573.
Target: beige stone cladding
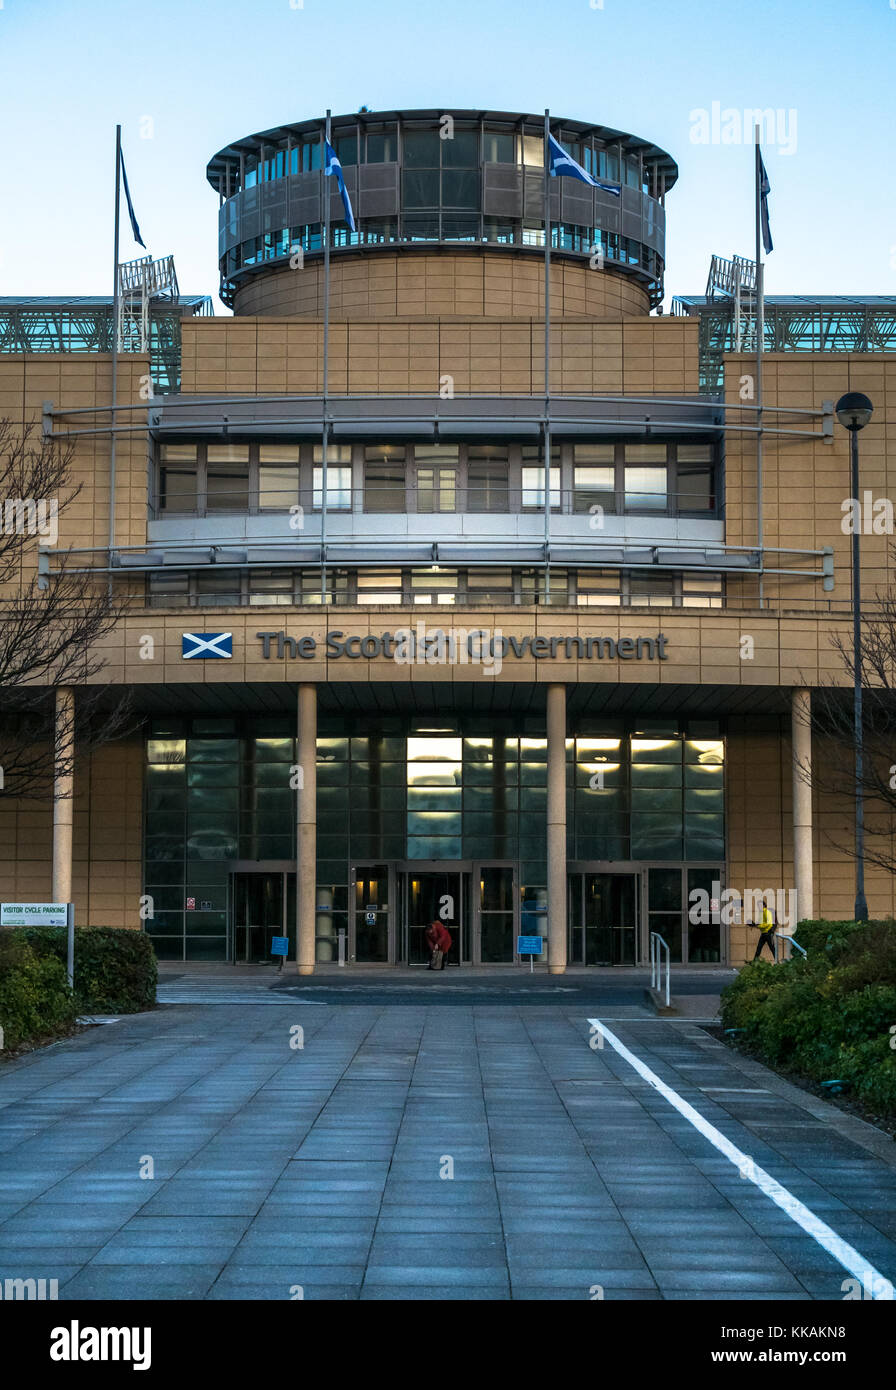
x: 405, y: 355
x: 442, y: 284
x: 108, y: 832
x: 82, y: 383
x: 807, y: 481
x: 758, y: 815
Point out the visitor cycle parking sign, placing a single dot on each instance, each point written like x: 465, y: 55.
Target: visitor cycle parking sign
x: 31, y: 914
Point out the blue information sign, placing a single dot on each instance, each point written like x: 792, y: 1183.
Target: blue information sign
x: 280, y: 946
x: 529, y: 945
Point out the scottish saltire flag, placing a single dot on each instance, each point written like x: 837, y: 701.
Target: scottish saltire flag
x: 332, y: 166
x: 764, y: 190
x: 127, y: 193
x: 564, y: 166
x: 206, y: 645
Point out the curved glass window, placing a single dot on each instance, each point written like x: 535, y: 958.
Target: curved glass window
x: 441, y: 195
x: 420, y: 149
x: 461, y: 151
x: 382, y: 146
x: 499, y: 147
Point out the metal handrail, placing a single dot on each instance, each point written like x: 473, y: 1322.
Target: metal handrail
x: 785, y: 936
x: 656, y: 945
x: 197, y: 399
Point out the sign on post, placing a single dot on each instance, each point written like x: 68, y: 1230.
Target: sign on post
x: 530, y: 946
x: 44, y: 915
x: 33, y: 914
x: 280, y: 947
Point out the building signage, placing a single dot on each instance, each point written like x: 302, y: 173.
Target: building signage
x: 465, y: 645
x: 31, y: 914
x: 529, y: 945
x: 279, y: 945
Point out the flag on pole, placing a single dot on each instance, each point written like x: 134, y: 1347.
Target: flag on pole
x: 764, y: 190
x: 127, y: 193
x: 563, y: 165
x: 332, y: 166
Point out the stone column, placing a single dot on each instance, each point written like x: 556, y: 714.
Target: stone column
x: 801, y: 737
x: 306, y: 829
x: 63, y: 788
x: 556, y: 722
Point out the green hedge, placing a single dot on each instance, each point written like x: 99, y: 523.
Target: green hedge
x: 829, y: 1014
x: 832, y: 937
x: 115, y: 969
x: 35, y: 1000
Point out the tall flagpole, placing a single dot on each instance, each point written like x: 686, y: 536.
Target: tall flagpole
x: 760, y: 344
x: 547, y: 359
x: 114, y: 345
x: 326, y: 383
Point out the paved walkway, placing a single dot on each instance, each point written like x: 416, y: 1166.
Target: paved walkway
x: 408, y: 1152
x: 695, y: 992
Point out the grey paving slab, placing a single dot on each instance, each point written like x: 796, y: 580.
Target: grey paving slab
x: 572, y: 1177
x: 282, y: 1276
x: 464, y: 1274
x: 248, y: 1287
x: 458, y: 1220
x: 139, y: 1281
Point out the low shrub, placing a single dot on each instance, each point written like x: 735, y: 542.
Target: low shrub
x: 35, y: 1000
x: 115, y: 969
x: 833, y: 937
x: 827, y: 1015
x: 743, y: 998
x: 870, y: 1068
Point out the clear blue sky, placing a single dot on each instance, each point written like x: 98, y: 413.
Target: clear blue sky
x: 207, y: 73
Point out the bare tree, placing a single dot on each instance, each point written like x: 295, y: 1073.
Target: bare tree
x: 48, y: 625
x: 833, y: 762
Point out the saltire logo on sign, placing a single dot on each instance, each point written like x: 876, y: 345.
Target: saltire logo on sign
x: 206, y: 646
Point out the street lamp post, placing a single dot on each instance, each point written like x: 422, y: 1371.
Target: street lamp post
x: 854, y: 411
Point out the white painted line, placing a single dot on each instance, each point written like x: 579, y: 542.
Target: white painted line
x: 736, y: 1090
x: 873, y: 1282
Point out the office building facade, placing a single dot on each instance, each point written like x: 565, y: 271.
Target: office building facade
x: 389, y: 661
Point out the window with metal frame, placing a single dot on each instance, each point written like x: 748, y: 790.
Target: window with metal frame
x: 339, y: 478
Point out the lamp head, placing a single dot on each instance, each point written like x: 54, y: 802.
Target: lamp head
x: 853, y: 410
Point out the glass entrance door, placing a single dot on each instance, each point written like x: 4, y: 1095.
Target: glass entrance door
x: 496, y: 914
x: 257, y: 914
x: 372, y: 915
x: 603, y: 918
x: 430, y: 895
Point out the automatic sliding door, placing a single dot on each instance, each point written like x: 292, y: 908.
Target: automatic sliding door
x: 575, y: 918
x: 372, y: 914
x: 258, y: 914
x: 496, y: 915
x: 430, y: 897
x: 610, y: 918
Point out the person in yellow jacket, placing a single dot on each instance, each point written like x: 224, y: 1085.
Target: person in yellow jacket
x: 766, y: 925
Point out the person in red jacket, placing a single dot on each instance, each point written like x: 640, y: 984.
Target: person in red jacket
x: 438, y: 938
